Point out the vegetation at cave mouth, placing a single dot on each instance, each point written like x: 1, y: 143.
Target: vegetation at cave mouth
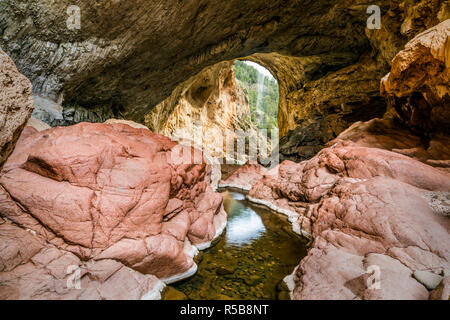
x: 262, y: 93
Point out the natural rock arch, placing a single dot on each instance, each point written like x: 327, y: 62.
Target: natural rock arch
x: 130, y: 56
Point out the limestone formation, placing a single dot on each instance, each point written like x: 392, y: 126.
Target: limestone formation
x: 114, y: 211
x: 30, y: 268
x: 37, y: 124
x: 418, y: 86
x: 244, y: 177
x: 99, y: 193
x: 376, y: 200
x: 16, y: 105
x: 129, y: 57
x: 206, y: 110
x: 363, y: 206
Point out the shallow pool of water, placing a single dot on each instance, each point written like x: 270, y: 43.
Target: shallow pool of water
x: 257, y: 250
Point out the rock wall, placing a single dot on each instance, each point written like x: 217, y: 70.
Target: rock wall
x: 342, y: 89
x: 207, y: 109
x: 108, y: 199
x: 418, y: 86
x: 364, y: 207
x: 131, y: 56
x: 55, y: 114
x: 16, y: 105
x: 128, y: 58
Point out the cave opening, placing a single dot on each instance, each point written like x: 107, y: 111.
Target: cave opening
x: 262, y: 93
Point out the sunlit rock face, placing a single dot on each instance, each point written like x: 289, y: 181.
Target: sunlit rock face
x: 205, y: 110
x: 16, y: 105
x: 418, y: 86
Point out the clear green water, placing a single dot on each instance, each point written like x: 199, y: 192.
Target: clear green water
x: 257, y: 250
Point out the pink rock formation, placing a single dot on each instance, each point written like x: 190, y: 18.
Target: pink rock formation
x: 364, y: 207
x: 376, y: 201
x: 244, y: 177
x: 104, y: 192
x: 386, y: 134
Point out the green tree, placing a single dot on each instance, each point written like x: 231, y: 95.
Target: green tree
x: 264, y: 115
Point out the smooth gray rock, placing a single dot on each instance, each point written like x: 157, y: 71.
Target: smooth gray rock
x: 429, y: 279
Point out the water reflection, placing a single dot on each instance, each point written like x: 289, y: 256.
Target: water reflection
x: 257, y: 250
x: 244, y: 224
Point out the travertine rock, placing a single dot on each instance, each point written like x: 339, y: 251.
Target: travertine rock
x: 206, y: 110
x: 367, y: 210
x: 37, y: 124
x: 16, y: 105
x: 442, y: 292
x: 30, y: 268
x: 244, y: 177
x: 418, y: 86
x: 127, y: 122
x: 112, y: 192
x: 389, y: 135
x: 129, y: 57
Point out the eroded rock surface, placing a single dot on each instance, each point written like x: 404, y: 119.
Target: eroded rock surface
x: 206, y: 110
x: 31, y: 268
x: 16, y: 105
x: 128, y: 57
x: 418, y: 86
x: 363, y: 207
x: 333, y: 90
x: 391, y: 135
x: 376, y: 201
x: 244, y: 177
x: 107, y: 192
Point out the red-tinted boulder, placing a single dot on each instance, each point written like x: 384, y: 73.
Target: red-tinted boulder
x: 389, y: 135
x: 244, y: 177
x: 375, y: 216
x: 112, y: 192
